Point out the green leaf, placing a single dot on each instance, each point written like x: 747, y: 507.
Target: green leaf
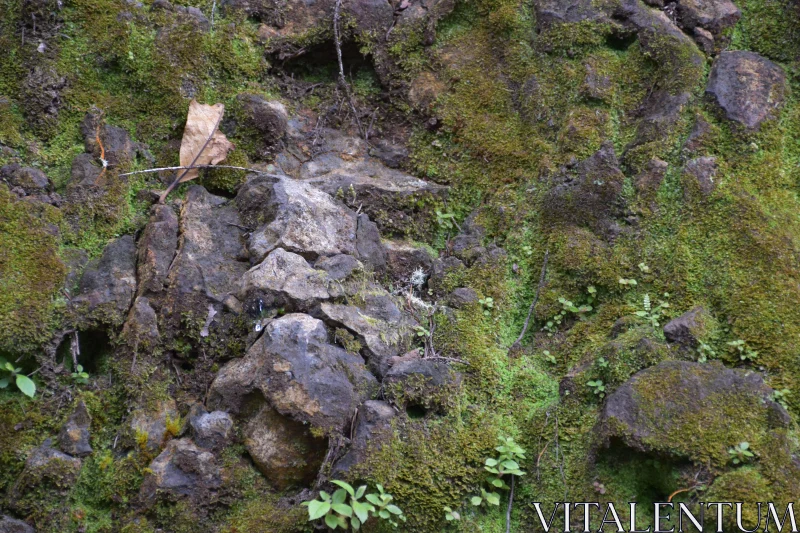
x: 360, y: 492
x: 332, y: 521
x: 509, y: 465
x: 476, y: 500
x: 317, y: 509
x: 325, y: 496
x: 491, y: 462
x: 498, y: 483
x: 493, y: 498
x: 384, y: 514
x: 26, y: 385
x: 355, y: 523
x: 4, y: 383
x: 343, y: 509
x: 744, y: 445
x: 394, y: 509
x: 373, y: 498
x: 345, y: 486
x: 361, y: 510
x: 339, y: 496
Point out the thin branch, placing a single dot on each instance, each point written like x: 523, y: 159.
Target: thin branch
x: 446, y: 359
x: 342, y: 80
x: 191, y: 165
x: 160, y: 169
x: 510, y: 502
x: 542, y: 277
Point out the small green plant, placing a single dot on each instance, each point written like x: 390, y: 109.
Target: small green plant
x: 602, y: 362
x: 445, y: 220
x: 451, y: 515
x: 627, y: 282
x: 650, y: 313
x: 23, y: 382
x: 550, y: 358
x: 705, y: 352
x: 80, y: 376
x: 421, y: 331
x: 551, y: 326
x: 745, y: 353
x: 487, y: 304
x: 779, y: 397
x: 505, y: 464
x: 337, y: 512
x: 527, y: 249
x: 741, y: 454
x: 644, y: 268
x: 598, y: 387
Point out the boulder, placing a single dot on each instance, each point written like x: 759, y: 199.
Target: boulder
x: 285, y: 279
x: 339, y: 267
x: 141, y: 327
x: 462, y: 297
x: 74, y: 436
x: 656, y: 116
x: 684, y: 410
x: 299, y: 373
x: 368, y: 244
x: 373, y: 428
x: 182, y: 470
x: 267, y: 118
x: 211, y: 430
x: 117, y: 146
x: 156, y: 249
x: 379, y: 325
x: 648, y: 181
x: 31, y: 180
x: 403, y: 258
x: 12, y: 525
x: 284, y: 450
x: 747, y: 87
x: 106, y: 289
x: 47, y: 470
x: 714, y: 16
x: 422, y: 383
x: 687, y: 330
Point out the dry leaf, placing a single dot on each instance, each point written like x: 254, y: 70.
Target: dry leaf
x: 202, y: 121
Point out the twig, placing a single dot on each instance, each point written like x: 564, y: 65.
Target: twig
x: 535, y: 300
x: 342, y: 80
x: 74, y: 349
x: 160, y: 169
x: 243, y: 228
x: 510, y: 502
x: 679, y: 491
x: 213, y: 10
x: 191, y: 165
x: 447, y: 359
x: 102, y: 150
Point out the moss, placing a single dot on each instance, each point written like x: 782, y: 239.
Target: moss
x: 31, y: 274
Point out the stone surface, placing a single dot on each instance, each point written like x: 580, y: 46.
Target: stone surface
x: 12, y: 525
x: 211, y: 430
x: 661, y: 408
x: 373, y: 427
x: 46, y: 470
x: 423, y: 383
x: 108, y: 284
x: 699, y: 174
x: 32, y: 180
x: 299, y: 373
x: 462, y: 297
x: 267, y: 117
x: 686, y: 329
x: 339, y: 267
x: 150, y: 427
x: 747, y: 86
x: 182, y: 470
x: 285, y: 279
x: 403, y: 258
x: 74, y: 436
x: 649, y: 180
x: 283, y: 450
x: 714, y: 16
x: 141, y: 327
x: 156, y: 249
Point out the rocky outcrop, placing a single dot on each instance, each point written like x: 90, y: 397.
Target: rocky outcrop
x: 74, y: 436
x: 47, y: 471
x: 747, y: 87
x: 698, y: 176
x: 182, y: 470
x: 211, y: 430
x: 150, y: 427
x: 421, y: 383
x: 713, y: 16
x: 687, y: 330
x: 373, y: 427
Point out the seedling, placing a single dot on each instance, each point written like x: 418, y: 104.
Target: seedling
x: 487, y: 304
x: 741, y: 454
x: 779, y: 397
x: 650, y: 313
x: 597, y: 387
x: 80, y: 376
x: 745, y: 353
x: 23, y: 382
x: 451, y: 515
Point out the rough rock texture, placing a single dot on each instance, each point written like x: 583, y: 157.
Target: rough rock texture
x: 182, y: 470
x: 659, y: 407
x: 424, y: 383
x: 108, y: 284
x: 211, y: 430
x: 47, y: 470
x: 283, y: 450
x: 699, y: 176
x: 686, y: 330
x: 372, y: 428
x: 403, y: 258
x: 714, y: 16
x: 299, y: 373
x: 74, y: 436
x: 12, y: 525
x: 156, y: 249
x: 150, y: 427
x: 268, y: 118
x: 285, y: 279
x: 747, y: 86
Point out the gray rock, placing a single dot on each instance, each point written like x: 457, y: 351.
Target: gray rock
x: 424, y: 383
x: 658, y: 409
x: 698, y: 137
x: 705, y: 40
x: 182, y: 470
x: 686, y: 329
x: 699, y: 174
x: 211, y: 430
x: 85, y: 170
x: 297, y: 217
x: 748, y: 87
x: 285, y: 279
x: 649, y: 180
x: 74, y: 436
x: 267, y: 117
x: 373, y: 428
x: 156, y: 250
x: 403, y: 258
x: 32, y: 180
x: 46, y: 470
x: 299, y: 373
x: 714, y: 16
x: 12, y: 525
x: 368, y: 244
x: 151, y: 426
x: 141, y: 327
x: 339, y: 267
x: 391, y: 155
x: 462, y: 297
x: 657, y: 115
x: 379, y: 325
x: 284, y: 450
x: 118, y: 148
x: 190, y: 15
x: 108, y: 284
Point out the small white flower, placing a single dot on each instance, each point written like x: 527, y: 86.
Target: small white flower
x: 418, y: 278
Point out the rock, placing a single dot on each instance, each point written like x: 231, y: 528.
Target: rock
x: 117, y: 146
x: 84, y: 170
x: 41, y: 96
x: 190, y: 15
x: 462, y: 297
x: 391, y: 155
x: 379, y: 325
x: 368, y: 244
x: 660, y: 409
x: 297, y: 217
x: 339, y: 267
x: 698, y: 137
x: 699, y: 175
x: 649, y: 180
x: 422, y: 383
x: 32, y: 180
x: 596, y: 85
x: 588, y: 195
x: 550, y: 12
x: 152, y: 427
x: 299, y: 373
x: 467, y: 245
x: 747, y: 86
x: 284, y: 450
x: 403, y: 258
x: 441, y: 269
x: 74, y: 436
x: 266, y: 117
x: 141, y: 327
x: 714, y: 16
x: 108, y: 284
x: 12, y: 525
x: 705, y: 40
x: 182, y: 470
x: 211, y: 430
x: 687, y: 329
x: 657, y: 115
x: 47, y: 470
x: 284, y: 279
x: 373, y: 428
x: 157, y: 246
